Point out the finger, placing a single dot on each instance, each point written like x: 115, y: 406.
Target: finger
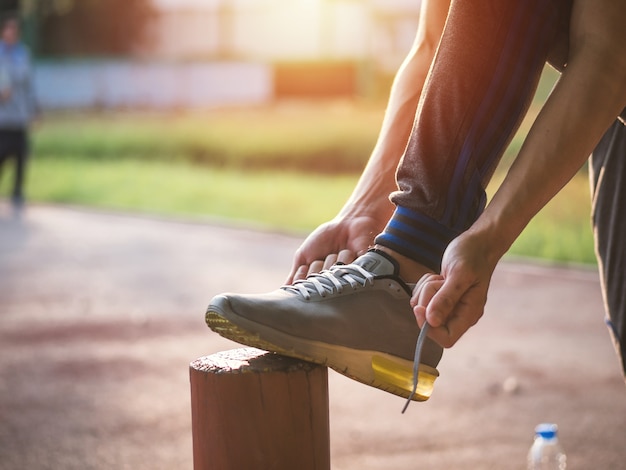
x: 447, y: 335
x: 346, y: 256
x: 459, y: 324
x: 427, y: 293
x: 330, y: 260
x: 441, y: 336
x: 315, y: 267
x: 300, y: 273
x: 292, y: 275
x: 443, y: 303
x: 426, y: 278
x: 420, y: 315
x: 424, y: 290
x: 297, y: 268
x: 427, y: 286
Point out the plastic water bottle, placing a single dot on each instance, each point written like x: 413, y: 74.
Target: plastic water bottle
x: 546, y: 452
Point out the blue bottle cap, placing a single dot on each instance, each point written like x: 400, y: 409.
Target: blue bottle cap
x: 546, y: 430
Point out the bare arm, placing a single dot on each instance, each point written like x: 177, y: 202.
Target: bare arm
x: 378, y: 178
x: 586, y: 100
x: 368, y: 209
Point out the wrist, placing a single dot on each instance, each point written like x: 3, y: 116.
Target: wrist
x: 493, y: 240
x: 379, y: 209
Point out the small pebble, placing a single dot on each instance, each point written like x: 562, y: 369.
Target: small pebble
x: 511, y: 385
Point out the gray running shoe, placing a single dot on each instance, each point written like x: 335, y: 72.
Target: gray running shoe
x: 354, y: 318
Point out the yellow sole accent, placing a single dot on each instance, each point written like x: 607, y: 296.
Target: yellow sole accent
x: 400, y: 375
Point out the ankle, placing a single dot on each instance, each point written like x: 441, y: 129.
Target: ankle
x: 410, y: 271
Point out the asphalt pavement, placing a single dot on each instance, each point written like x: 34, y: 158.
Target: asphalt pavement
x: 101, y: 314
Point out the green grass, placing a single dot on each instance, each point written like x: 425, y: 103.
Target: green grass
x: 272, y: 199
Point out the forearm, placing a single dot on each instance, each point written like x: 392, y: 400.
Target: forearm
x: 378, y: 178
x: 581, y: 107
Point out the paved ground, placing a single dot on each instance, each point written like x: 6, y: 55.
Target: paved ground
x: 100, y: 315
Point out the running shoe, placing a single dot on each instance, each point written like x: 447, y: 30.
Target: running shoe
x: 354, y: 318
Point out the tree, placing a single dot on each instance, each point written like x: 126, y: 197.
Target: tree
x: 90, y: 27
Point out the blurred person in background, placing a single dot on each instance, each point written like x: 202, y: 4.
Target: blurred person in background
x: 17, y: 104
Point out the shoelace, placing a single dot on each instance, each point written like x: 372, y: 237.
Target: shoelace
x: 421, y: 339
x: 332, y: 280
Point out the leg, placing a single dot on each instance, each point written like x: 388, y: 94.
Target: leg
x: 608, y: 185
x: 484, y: 76
x: 1, y: 166
x: 21, y: 159
x: 4, y: 150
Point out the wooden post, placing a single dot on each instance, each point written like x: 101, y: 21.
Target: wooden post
x: 255, y: 410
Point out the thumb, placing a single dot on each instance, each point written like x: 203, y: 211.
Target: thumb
x: 444, y: 302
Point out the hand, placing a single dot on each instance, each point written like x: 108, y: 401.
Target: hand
x: 341, y: 240
x: 454, y: 301
x: 5, y: 94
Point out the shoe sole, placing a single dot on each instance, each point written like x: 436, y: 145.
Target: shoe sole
x: 377, y: 369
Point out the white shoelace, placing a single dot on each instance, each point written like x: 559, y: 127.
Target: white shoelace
x: 332, y: 280
x: 421, y: 339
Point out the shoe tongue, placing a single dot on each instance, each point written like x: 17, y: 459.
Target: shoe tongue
x: 378, y: 263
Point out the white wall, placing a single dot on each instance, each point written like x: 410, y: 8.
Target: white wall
x: 84, y: 84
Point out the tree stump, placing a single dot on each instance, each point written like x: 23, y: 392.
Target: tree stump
x: 254, y: 410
